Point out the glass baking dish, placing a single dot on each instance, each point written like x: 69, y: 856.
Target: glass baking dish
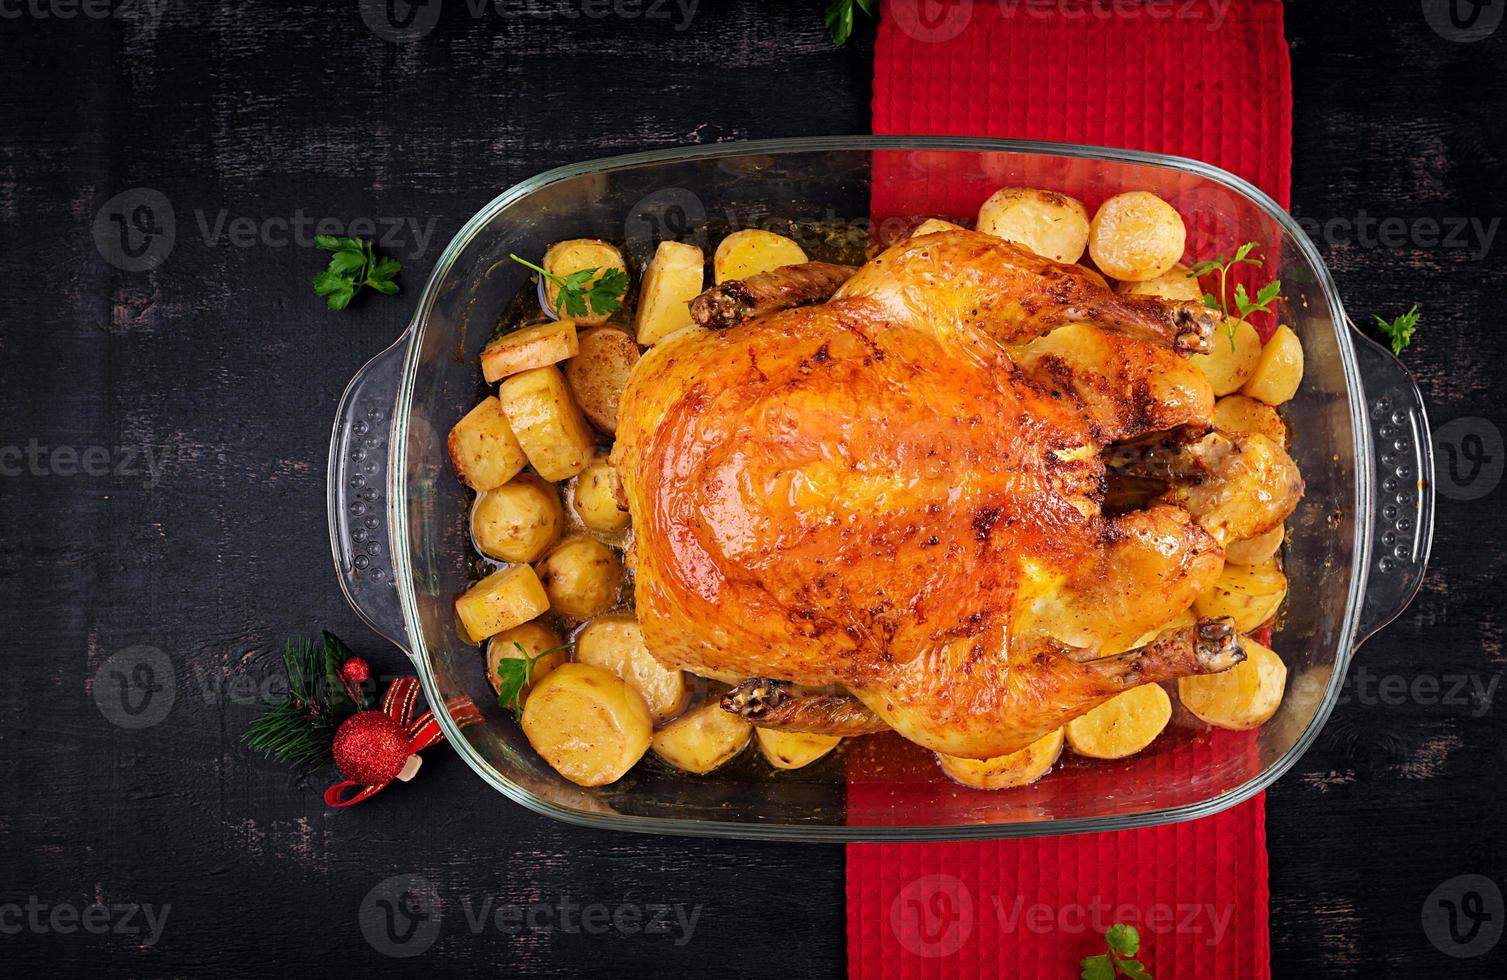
x: 398, y: 517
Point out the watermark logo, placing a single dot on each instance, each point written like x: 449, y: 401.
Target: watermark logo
x: 148, y: 12
x: 135, y: 688
x: 931, y: 21
x: 143, y: 922
x: 401, y: 916
x: 933, y: 916
x: 670, y: 213
x: 1464, y: 21
x: 1474, y: 235
x: 400, y: 21
x: 1468, y: 455
x: 135, y: 230
x: 1463, y: 916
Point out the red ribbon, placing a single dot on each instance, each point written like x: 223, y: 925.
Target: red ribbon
x: 423, y: 732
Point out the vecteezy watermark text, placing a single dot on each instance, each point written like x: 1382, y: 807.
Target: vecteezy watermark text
x: 35, y: 459
x: 97, y: 918
x: 402, y: 21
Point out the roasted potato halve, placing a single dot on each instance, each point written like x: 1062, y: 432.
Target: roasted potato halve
x: 933, y: 225
x: 1050, y: 224
x: 793, y: 750
x: 702, y: 740
x: 596, y: 499
x: 1006, y: 771
x: 1136, y: 236
x: 483, y: 448
x: 555, y: 438
x: 616, y: 643
x: 1232, y: 358
x: 519, y: 520
x: 1249, y: 594
x: 1278, y: 371
x: 673, y: 278
x: 502, y: 600
x: 587, y: 724
x: 1257, y: 550
x: 1243, y: 697
x: 538, y: 346
x: 535, y: 638
x: 1175, y: 284
x: 578, y: 255
x: 752, y: 251
x: 581, y: 576
x: 1123, y: 725
x: 599, y: 371
x: 1239, y: 413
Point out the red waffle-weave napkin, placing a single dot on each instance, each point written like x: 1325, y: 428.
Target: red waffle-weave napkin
x: 1207, y: 79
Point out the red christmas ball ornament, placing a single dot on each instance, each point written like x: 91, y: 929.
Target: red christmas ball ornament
x: 355, y: 671
x: 372, y: 748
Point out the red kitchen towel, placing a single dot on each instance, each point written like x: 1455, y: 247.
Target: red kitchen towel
x: 1207, y: 79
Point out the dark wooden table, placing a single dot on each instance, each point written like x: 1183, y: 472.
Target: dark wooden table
x: 165, y: 431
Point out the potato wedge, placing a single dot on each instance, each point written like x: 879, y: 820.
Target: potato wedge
x: 596, y: 500
x: 535, y: 638
x: 1241, y: 698
x: 587, y: 724
x: 519, y: 520
x: 598, y: 373
x: 933, y: 225
x: 1257, y: 550
x: 575, y: 255
x: 1136, y: 236
x: 1050, y: 224
x: 703, y: 740
x: 752, y: 251
x: 502, y: 600
x: 1006, y: 771
x: 538, y: 346
x: 1175, y: 283
x: 554, y: 437
x: 1123, y: 725
x: 1239, y: 413
x: 581, y: 577
x: 616, y: 643
x: 793, y: 750
x: 1232, y: 358
x: 483, y: 448
x: 1249, y: 594
x: 673, y: 278
x: 1279, y: 370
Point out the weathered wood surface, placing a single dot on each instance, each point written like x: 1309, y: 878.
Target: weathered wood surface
x: 170, y: 429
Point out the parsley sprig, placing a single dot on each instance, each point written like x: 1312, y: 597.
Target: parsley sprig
x: 514, y: 674
x: 1123, y: 943
x: 1244, y: 305
x: 839, y: 17
x: 580, y: 294
x: 1400, y: 330
x: 353, y: 265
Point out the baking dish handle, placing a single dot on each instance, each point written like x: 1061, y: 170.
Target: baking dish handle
x: 1401, y: 511
x: 360, y: 496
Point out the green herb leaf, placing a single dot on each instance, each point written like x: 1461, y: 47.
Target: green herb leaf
x: 839, y: 16
x: 514, y: 674
x: 1123, y: 939
x: 578, y: 295
x: 353, y: 265
x: 1097, y: 968
x: 1399, y: 331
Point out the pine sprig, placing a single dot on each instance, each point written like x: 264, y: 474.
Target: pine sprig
x: 514, y: 674
x: 579, y: 294
x: 1399, y: 331
x: 1244, y: 305
x: 300, y: 727
x: 1123, y: 943
x: 353, y: 265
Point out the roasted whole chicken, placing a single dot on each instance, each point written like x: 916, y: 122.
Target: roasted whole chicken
x: 875, y: 498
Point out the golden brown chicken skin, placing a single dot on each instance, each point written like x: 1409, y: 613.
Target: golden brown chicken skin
x: 876, y: 493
